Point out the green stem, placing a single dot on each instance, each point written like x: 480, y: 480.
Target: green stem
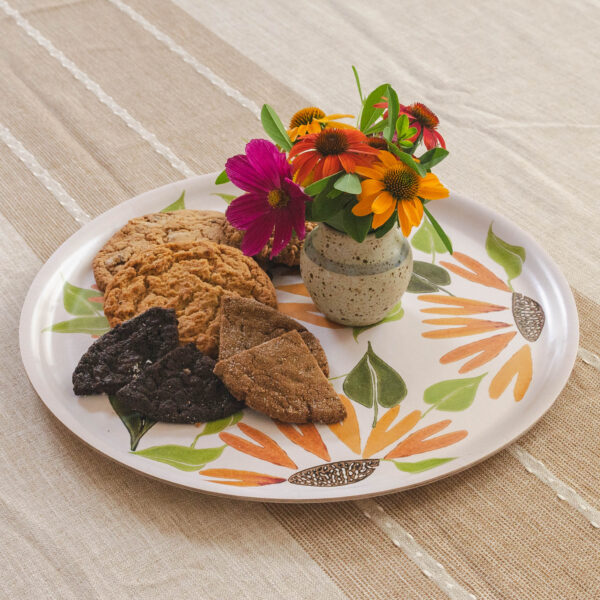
x: 433, y: 257
x: 427, y: 411
x: 441, y: 289
x: 195, y: 440
x: 338, y: 377
x: 376, y: 408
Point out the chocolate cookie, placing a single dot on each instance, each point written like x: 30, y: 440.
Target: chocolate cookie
x: 180, y: 388
x: 282, y: 379
x: 120, y: 354
x: 246, y: 323
x: 192, y: 279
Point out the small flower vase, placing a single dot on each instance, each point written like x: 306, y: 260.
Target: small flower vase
x: 354, y: 283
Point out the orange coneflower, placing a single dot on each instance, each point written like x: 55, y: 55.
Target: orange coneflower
x: 312, y: 120
x: 390, y: 184
x: 330, y: 151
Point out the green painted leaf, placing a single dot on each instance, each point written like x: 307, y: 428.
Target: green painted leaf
x: 220, y: 424
x: 369, y: 113
x: 509, y: 257
x: 421, y: 465
x: 438, y: 228
x: 76, y: 300
x: 395, y: 314
x: 393, y: 108
x: 183, y: 458
x: 92, y: 325
x: 179, y: 204
x: 373, y: 380
x: 356, y: 227
x: 349, y: 183
x: 222, y: 177
x: 427, y: 239
x: 229, y: 198
x: 427, y: 277
x: 453, y: 395
x: 136, y: 424
x: 274, y: 128
x: 318, y: 186
x: 433, y: 157
x: 407, y: 159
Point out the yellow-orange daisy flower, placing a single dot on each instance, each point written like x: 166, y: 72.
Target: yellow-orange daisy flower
x: 312, y: 120
x: 389, y: 184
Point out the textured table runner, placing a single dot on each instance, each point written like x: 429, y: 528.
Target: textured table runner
x: 101, y: 100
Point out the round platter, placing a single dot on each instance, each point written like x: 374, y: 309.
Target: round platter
x: 477, y: 352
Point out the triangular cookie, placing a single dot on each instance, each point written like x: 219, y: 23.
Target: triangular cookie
x: 282, y: 379
x: 246, y: 323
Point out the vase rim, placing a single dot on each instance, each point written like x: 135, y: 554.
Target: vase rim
x: 371, y: 234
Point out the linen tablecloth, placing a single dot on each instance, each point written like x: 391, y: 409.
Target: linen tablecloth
x: 103, y: 99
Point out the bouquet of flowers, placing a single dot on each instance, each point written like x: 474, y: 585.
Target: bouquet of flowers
x: 357, y: 179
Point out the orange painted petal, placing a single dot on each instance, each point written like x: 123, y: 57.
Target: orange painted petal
x: 458, y: 306
x: 241, y: 478
x: 307, y: 312
x: 382, y: 436
x: 381, y: 218
x: 478, y: 273
x: 486, y: 350
x: 418, y: 442
x: 265, y: 448
x: 383, y: 202
x: 466, y: 327
x: 518, y: 364
x: 295, y: 288
x: 306, y: 436
x: 348, y: 431
x: 430, y: 188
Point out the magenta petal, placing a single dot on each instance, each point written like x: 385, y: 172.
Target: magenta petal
x: 244, y: 176
x: 283, y: 231
x: 296, y: 206
x: 258, y: 234
x: 246, y: 209
x: 266, y: 160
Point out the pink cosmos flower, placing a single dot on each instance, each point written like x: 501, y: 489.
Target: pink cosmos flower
x: 272, y: 200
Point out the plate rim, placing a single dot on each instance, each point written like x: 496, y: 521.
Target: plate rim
x: 62, y: 414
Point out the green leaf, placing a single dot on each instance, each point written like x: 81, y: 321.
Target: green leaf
x: 229, y: 198
x: 395, y: 314
x: 373, y: 380
x: 445, y: 239
x: 356, y: 227
x: 427, y: 239
x: 220, y: 424
x: 324, y: 208
x: 393, y: 108
x: 453, y: 395
x: 357, y: 83
x: 433, y: 157
x: 136, y: 424
x: 92, y: 325
x: 407, y: 159
x: 381, y: 231
x: 421, y: 465
x: 349, y: 183
x: 183, y: 458
x: 222, y: 177
x: 427, y: 277
x: 402, y: 126
x: 179, y: 204
x: 509, y: 257
x: 376, y: 127
x: 318, y: 186
x: 405, y: 143
x: 274, y: 128
x: 76, y: 300
x: 369, y: 113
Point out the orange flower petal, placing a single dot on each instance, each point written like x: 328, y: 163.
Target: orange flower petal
x: 363, y: 208
x: 371, y: 187
x: 382, y: 436
x: 373, y: 171
x: 388, y: 159
x: 383, y: 202
x: 486, y: 350
x: 405, y: 223
x: 430, y: 188
x: 518, y: 364
x: 241, y: 478
x: 381, y: 218
x: 458, y: 306
x: 478, y: 273
x: 307, y: 312
x: 306, y: 436
x: 348, y: 431
x: 266, y: 448
x: 418, y: 442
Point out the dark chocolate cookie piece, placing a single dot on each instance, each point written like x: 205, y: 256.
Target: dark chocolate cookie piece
x: 180, y: 388
x: 120, y: 354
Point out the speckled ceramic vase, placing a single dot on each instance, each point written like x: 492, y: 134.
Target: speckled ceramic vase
x: 355, y: 284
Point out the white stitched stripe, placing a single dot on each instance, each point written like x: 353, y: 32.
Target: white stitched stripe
x: 203, y: 70
x: 57, y: 190
x: 563, y: 491
x: 407, y: 543
x: 93, y: 87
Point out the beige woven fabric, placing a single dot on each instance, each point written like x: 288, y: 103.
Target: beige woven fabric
x: 516, y: 88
